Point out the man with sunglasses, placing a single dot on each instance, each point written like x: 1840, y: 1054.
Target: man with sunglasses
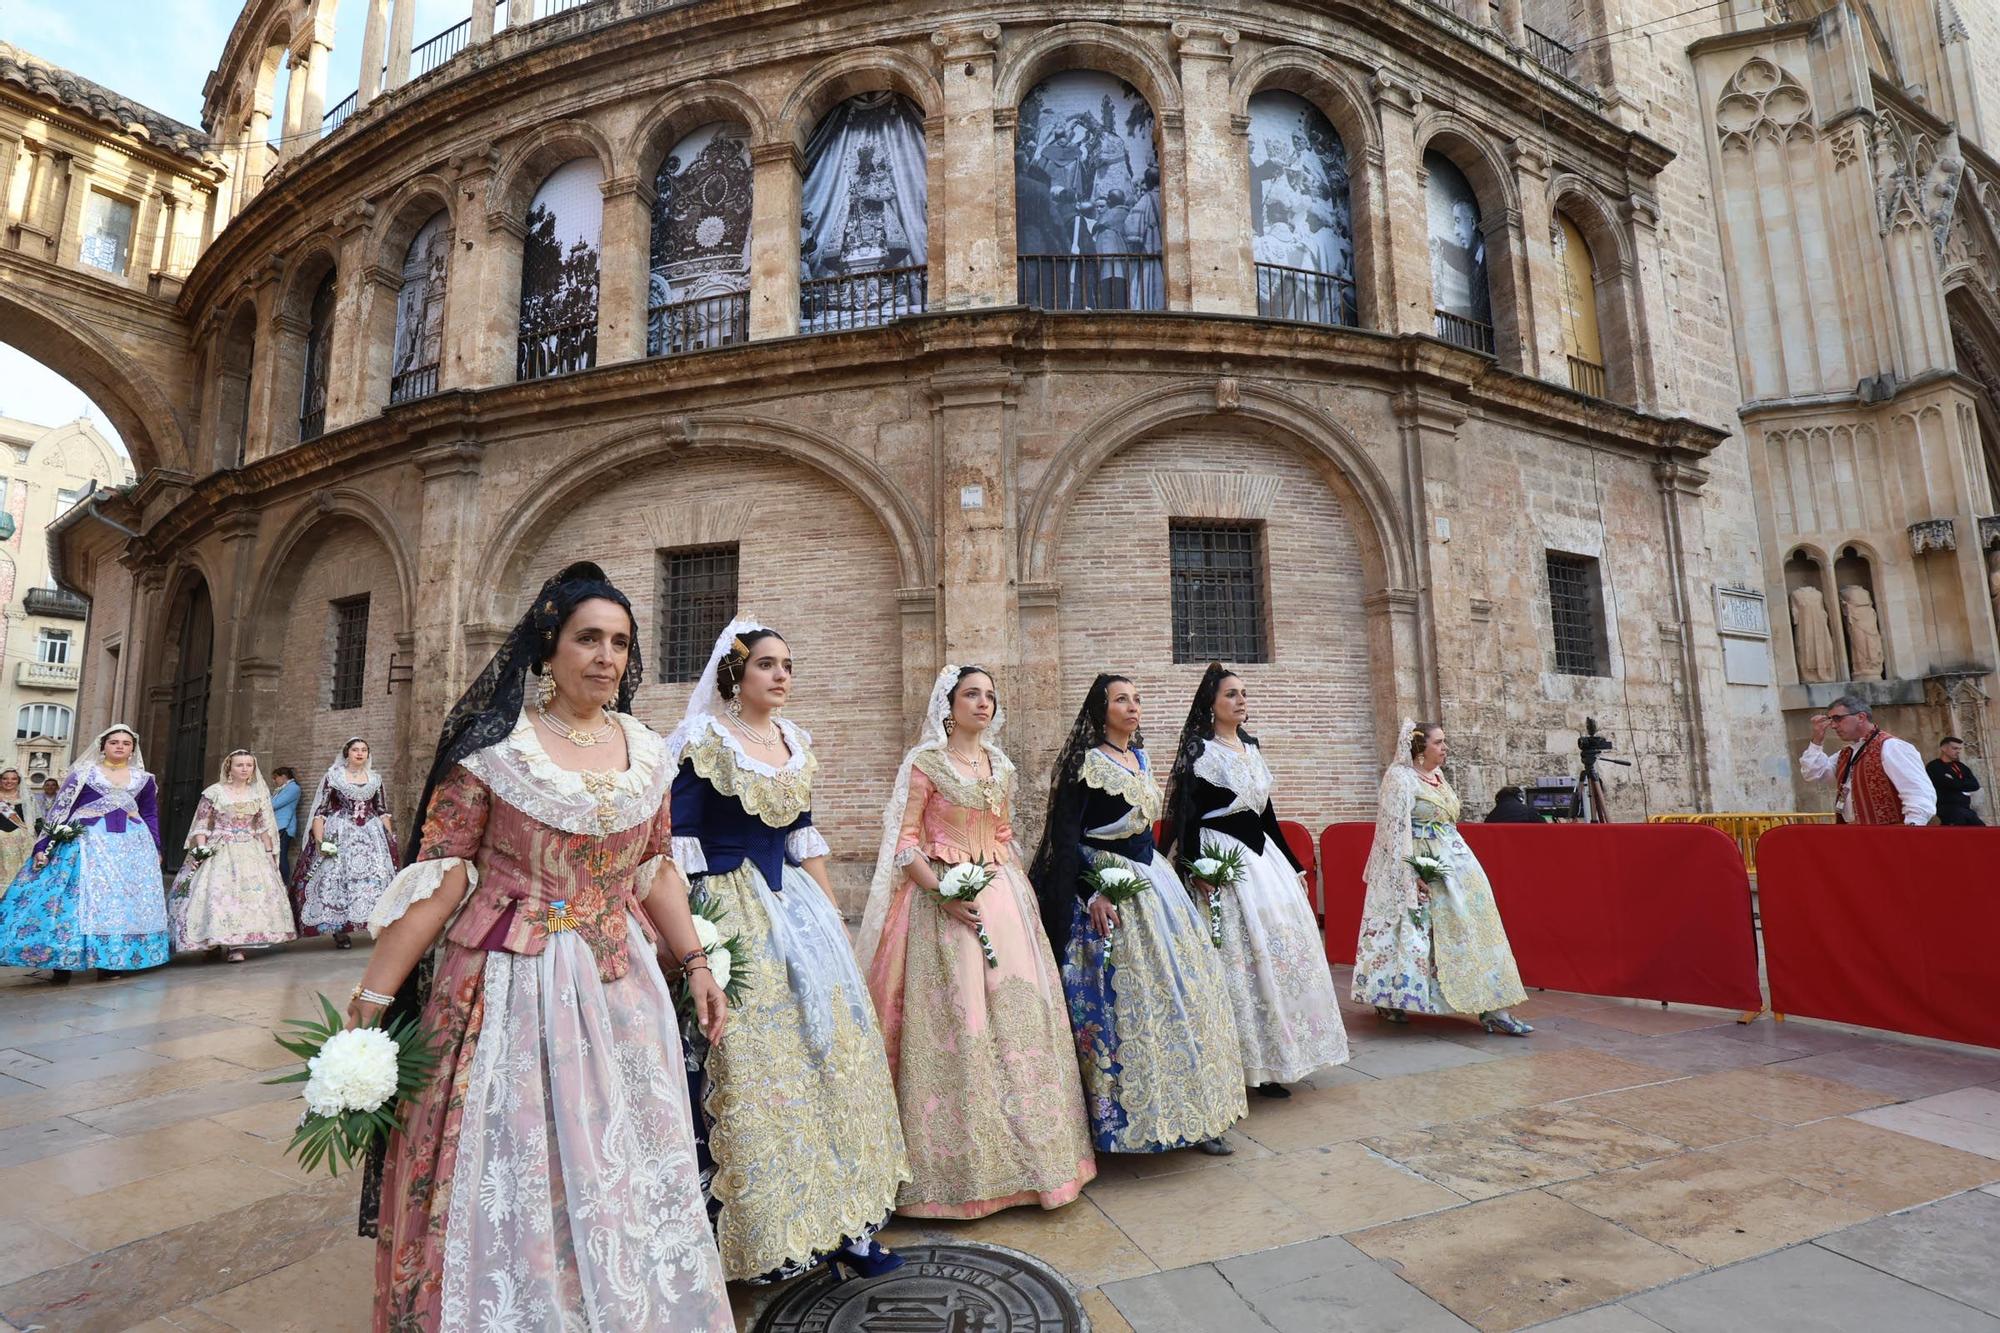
x: 1881, y: 779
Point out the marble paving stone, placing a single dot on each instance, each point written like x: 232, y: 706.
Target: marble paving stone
x: 1346, y: 1186
x: 137, y: 1116
x: 1324, y: 1284
x: 1519, y: 1259
x: 9, y: 1085
x: 99, y: 1093
x: 1553, y: 1077
x: 1184, y: 1300
x: 1948, y: 1247
x: 1604, y: 1319
x: 1653, y: 1021
x: 1680, y: 1110
x: 1521, y: 1150
x: 273, y: 1120
x: 52, y: 1181
x: 1394, y: 1059
x: 76, y: 1069
x: 162, y: 1274
x: 46, y: 1138
x: 1964, y: 1135
x: 176, y: 1198
x: 1711, y: 1210
x: 26, y: 1249
x: 1333, y: 1076
x: 76, y: 1043
x: 1795, y: 1037
x: 1706, y: 1051
x: 1805, y: 1290
x: 253, y: 1048
x: 1077, y: 1238
x: 14, y: 1062
x: 1779, y: 1094
x: 1144, y: 1166
x: 1979, y: 1106
x: 1198, y: 1216
x: 1577, y: 1030
x: 1868, y: 1166
x: 317, y: 1294
x: 1334, y: 1115
x: 1900, y: 1071
x: 1103, y: 1315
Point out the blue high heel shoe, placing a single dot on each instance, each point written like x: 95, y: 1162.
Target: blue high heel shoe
x: 1504, y: 1024
x: 878, y: 1262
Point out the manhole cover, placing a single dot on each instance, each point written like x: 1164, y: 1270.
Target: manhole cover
x: 939, y: 1289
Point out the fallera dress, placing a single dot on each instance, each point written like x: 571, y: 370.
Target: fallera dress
x: 235, y: 897
x: 17, y: 842
x: 1273, y: 960
x: 1161, y: 1064
x: 1448, y: 954
x: 804, y: 1146
x: 100, y: 901
x: 335, y: 894
x: 546, y: 1178
x: 983, y: 1058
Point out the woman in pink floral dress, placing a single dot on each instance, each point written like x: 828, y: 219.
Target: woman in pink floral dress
x: 228, y: 894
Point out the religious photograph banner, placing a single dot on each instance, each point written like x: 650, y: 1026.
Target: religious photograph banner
x: 698, y: 291
x: 419, y: 344
x: 559, y: 272
x: 1300, y: 218
x: 1458, y: 250
x: 863, y: 236
x: 1087, y: 196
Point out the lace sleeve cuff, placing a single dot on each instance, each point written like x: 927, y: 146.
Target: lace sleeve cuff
x: 687, y: 855
x: 802, y: 845
x: 413, y: 884
x: 909, y: 855
x: 642, y: 882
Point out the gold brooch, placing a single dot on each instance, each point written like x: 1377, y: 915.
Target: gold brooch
x: 559, y: 917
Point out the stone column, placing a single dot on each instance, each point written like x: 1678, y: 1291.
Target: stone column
x: 1427, y: 431
x: 148, y: 581
x: 69, y: 231
x: 290, y: 144
x: 1403, y: 218
x: 234, y: 634
x: 622, y: 269
x: 256, y: 155
x: 465, y: 359
x: 975, y: 507
x: 402, y: 32
x: 1513, y: 25
x: 1702, y: 692
x: 447, y: 548
x: 360, y: 285
x: 10, y: 158
x: 778, y: 176
x: 259, y: 433
x: 1647, y: 311
x: 1221, y: 276
x: 966, y: 269
x: 1537, y: 280
x: 312, y: 107
x: 374, y: 51
x: 482, y: 22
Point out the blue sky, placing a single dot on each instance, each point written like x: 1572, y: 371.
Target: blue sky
x: 157, y: 52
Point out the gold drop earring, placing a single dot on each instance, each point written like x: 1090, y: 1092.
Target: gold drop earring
x: 736, y: 702
x: 547, y: 690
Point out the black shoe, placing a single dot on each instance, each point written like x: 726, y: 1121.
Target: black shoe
x: 58, y: 977
x: 1275, y: 1090
x: 341, y: 940
x: 1215, y: 1147
x: 878, y: 1262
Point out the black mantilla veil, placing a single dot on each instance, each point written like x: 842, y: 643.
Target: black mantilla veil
x: 1196, y: 732
x: 485, y: 715
x: 1058, y: 857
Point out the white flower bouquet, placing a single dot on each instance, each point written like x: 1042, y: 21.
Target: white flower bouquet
x: 1117, y: 885
x: 356, y: 1081
x: 59, y: 833
x: 721, y: 950
x: 1430, y: 871
x: 201, y: 852
x: 328, y: 847
x: 963, y: 883
x: 1219, y: 869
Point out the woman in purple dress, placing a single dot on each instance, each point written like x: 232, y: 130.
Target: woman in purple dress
x: 94, y: 897
x: 334, y: 891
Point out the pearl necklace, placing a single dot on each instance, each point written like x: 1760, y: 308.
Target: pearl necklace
x: 767, y: 739
x: 583, y: 740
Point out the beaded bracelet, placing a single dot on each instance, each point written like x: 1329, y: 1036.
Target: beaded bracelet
x: 370, y: 996
x: 691, y: 955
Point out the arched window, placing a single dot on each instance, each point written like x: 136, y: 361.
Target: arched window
x: 319, y: 356
x: 1087, y: 196
x: 419, y: 346
x: 49, y: 721
x: 1582, y: 343
x: 1459, y: 296
x: 1299, y: 212
x: 559, y: 272
x: 863, y: 237
x: 698, y: 293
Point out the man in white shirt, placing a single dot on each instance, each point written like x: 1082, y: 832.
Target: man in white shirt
x: 1881, y: 779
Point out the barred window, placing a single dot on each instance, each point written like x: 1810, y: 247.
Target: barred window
x: 1576, y: 614
x: 350, y: 651
x: 697, y: 598
x: 1218, y: 592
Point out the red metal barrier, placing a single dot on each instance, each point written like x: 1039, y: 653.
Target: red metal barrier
x: 1651, y: 912
x: 1300, y: 839
x: 1890, y: 928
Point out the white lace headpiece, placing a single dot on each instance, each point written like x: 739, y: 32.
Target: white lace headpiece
x: 888, y: 875
x: 706, y: 701
x: 1401, y: 754
x: 336, y: 774
x: 67, y: 804
x: 260, y: 791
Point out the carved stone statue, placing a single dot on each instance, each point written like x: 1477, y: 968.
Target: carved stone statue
x: 1864, y: 632
x: 1812, y: 637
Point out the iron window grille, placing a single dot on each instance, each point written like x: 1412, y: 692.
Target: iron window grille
x: 350, y: 652
x: 1576, y: 615
x: 697, y: 599
x: 1218, y: 592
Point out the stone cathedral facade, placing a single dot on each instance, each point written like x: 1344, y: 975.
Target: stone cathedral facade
x: 1511, y: 363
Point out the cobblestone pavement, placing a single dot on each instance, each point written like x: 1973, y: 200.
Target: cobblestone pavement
x: 1628, y: 1168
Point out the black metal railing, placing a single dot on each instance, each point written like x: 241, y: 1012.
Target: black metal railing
x: 1304, y: 295
x: 559, y: 349
x: 1586, y: 377
x: 860, y: 300
x: 691, y: 326
x: 1091, y: 282
x: 337, y: 117
x: 1462, y: 332
x: 416, y: 382
x: 312, y: 425
x: 435, y: 51
x: 56, y: 603
x: 1551, y: 54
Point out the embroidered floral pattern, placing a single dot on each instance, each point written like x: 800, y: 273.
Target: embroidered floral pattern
x: 777, y: 796
x: 988, y: 793
x: 1137, y: 790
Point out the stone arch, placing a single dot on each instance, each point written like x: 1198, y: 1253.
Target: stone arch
x: 1473, y: 152
x: 234, y: 358
x: 406, y: 213
x: 414, y: 203
x: 647, y: 447
x: 1614, y: 273
x: 135, y: 403
x: 529, y: 162
x: 341, y: 502
x: 1081, y: 45
x: 867, y: 70
x: 687, y: 109
x: 1478, y: 158
x: 290, y: 331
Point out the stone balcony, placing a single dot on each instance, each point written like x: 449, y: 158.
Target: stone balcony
x: 56, y: 603
x: 46, y: 675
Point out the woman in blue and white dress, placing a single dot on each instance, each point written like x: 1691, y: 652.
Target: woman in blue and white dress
x: 1158, y: 1049
x: 797, y: 1122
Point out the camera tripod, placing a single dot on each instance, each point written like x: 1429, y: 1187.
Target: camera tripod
x: 1589, y: 806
